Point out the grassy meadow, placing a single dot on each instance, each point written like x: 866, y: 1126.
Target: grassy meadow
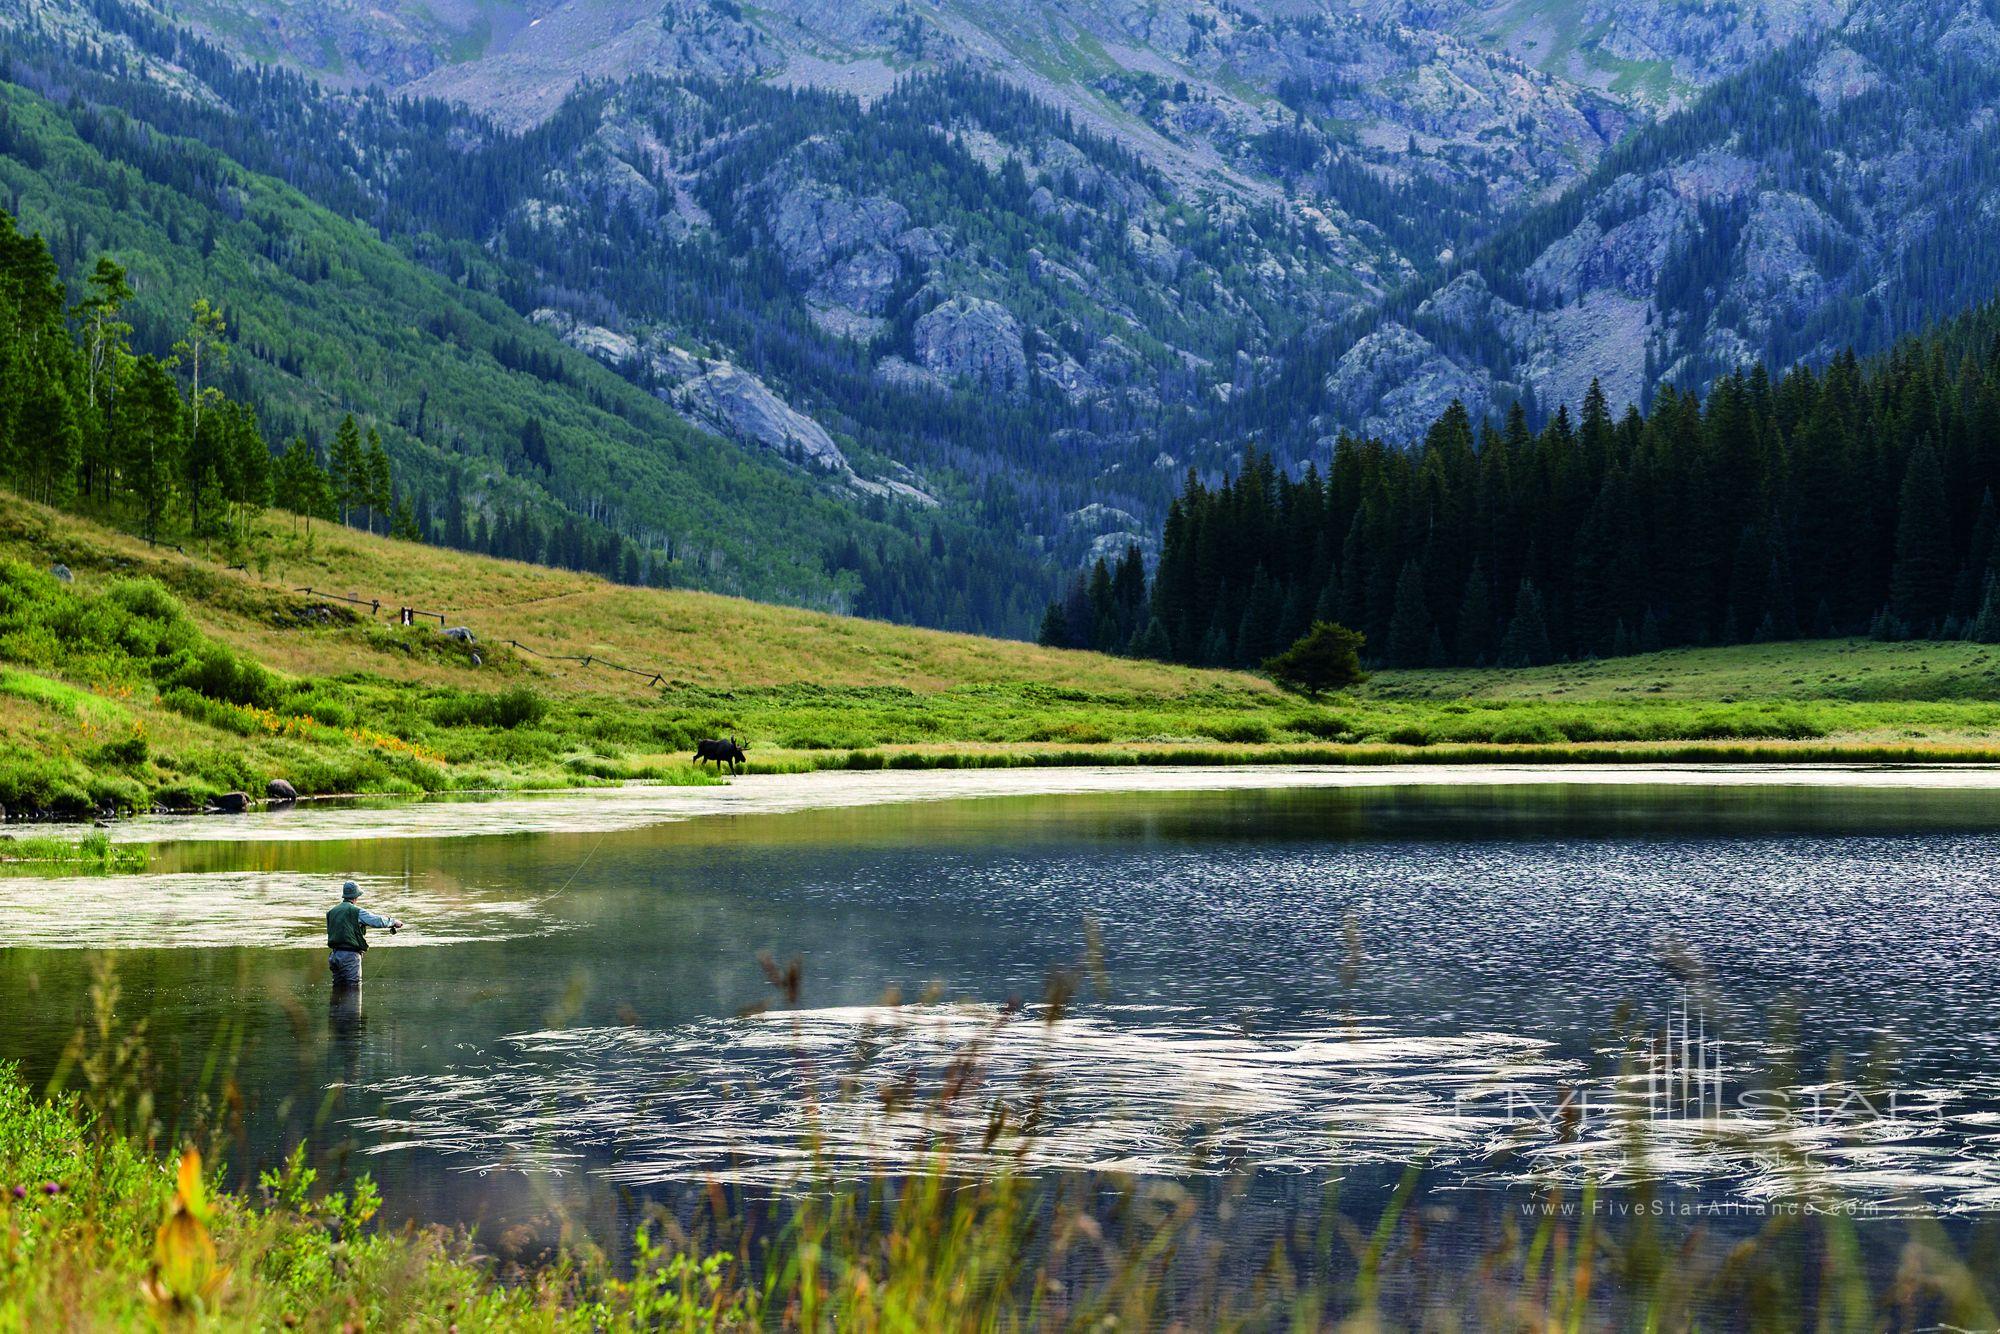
x: 158, y: 677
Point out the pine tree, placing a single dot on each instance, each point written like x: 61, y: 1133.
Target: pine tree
x: 1152, y: 641
x: 1327, y: 658
x: 535, y: 445
x: 1475, y: 617
x: 349, y: 466
x: 1920, y: 584
x: 50, y: 444
x: 146, y: 441
x: 1985, y: 627
x: 1055, y: 628
x: 202, y: 351
x: 301, y: 485
x: 381, y: 486
x: 1526, y: 643
x: 107, y: 359
x: 1257, y: 632
x: 1410, y: 624
x: 246, y: 470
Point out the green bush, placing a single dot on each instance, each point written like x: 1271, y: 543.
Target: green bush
x: 515, y: 707
x: 1249, y: 733
x: 1325, y: 726
x: 220, y: 674
x: 125, y: 752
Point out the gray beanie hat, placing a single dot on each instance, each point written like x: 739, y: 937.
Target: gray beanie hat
x: 350, y: 890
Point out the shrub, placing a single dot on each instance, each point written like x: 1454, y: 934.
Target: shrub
x: 515, y: 707
x: 1325, y: 726
x: 1528, y: 733
x: 125, y: 752
x: 1246, y: 733
x: 215, y: 672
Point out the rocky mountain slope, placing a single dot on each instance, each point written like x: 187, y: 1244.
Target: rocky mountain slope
x: 1017, y: 265
x: 1840, y: 192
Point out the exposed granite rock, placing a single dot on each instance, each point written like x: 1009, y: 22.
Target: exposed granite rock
x: 971, y: 338
x: 1111, y: 548
x: 1062, y: 370
x: 722, y: 397
x: 1626, y: 256
x: 1395, y: 382
x: 735, y: 403
x: 898, y: 373
x: 1840, y: 75
x: 843, y: 245
x: 1780, y: 278
x: 614, y: 349
x: 860, y: 283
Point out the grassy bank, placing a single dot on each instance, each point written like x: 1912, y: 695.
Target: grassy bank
x: 158, y: 677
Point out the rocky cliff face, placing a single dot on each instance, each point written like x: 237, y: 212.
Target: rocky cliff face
x: 1837, y: 195
x: 722, y: 397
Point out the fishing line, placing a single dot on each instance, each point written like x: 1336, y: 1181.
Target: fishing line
x: 573, y: 874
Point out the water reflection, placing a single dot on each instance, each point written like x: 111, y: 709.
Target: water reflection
x: 239, y: 909
x: 638, y: 806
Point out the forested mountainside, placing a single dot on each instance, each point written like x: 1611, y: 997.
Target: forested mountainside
x: 1857, y: 499
x: 932, y: 304
x: 472, y: 398
x: 1841, y: 192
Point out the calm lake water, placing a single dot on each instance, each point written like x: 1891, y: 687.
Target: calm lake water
x: 1783, y: 988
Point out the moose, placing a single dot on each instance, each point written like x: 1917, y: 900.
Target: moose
x: 721, y: 753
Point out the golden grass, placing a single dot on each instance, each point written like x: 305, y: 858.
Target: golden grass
x: 698, y: 638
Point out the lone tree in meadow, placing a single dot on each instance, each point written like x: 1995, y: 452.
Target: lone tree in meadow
x: 1327, y: 657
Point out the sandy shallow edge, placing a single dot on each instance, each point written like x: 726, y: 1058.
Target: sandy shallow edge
x: 600, y: 810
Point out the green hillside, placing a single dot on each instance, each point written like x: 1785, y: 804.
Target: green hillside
x: 330, y: 320
x: 159, y: 677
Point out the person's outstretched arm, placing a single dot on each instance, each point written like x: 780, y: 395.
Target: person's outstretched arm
x: 376, y: 919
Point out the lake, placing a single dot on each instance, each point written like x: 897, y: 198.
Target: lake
x: 1786, y: 986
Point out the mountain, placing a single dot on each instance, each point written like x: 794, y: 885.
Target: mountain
x: 982, y: 279
x: 1841, y: 192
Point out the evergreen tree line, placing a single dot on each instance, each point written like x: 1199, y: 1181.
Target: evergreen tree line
x: 84, y: 421
x: 1855, y: 499
x: 88, y: 423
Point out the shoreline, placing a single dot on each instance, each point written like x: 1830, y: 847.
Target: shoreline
x: 601, y: 810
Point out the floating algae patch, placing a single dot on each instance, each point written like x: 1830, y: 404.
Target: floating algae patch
x: 787, y: 1099
x: 766, y: 1098
x: 235, y: 909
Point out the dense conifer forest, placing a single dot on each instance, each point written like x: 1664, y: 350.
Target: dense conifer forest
x: 1854, y: 499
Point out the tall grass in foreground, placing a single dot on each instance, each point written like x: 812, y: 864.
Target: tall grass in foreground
x: 100, y: 1228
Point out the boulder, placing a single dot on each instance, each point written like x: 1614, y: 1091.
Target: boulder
x: 971, y: 338
x: 62, y: 574
x: 279, y: 790
x: 461, y: 634
x: 231, y: 803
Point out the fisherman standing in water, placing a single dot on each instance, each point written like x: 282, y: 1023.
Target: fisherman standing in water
x: 347, y: 924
